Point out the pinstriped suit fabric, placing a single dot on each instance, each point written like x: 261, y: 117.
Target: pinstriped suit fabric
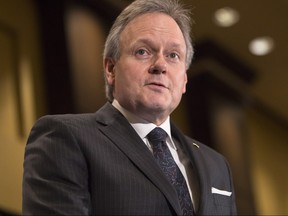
x: 97, y: 164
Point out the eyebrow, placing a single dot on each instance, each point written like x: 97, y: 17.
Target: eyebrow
x: 151, y: 43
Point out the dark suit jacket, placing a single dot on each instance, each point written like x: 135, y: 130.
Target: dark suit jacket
x: 97, y: 164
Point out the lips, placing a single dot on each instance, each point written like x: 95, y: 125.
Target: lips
x: 157, y: 84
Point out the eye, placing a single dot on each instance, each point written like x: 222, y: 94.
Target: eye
x: 173, y: 55
x: 141, y: 52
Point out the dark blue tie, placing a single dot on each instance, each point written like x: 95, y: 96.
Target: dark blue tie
x: 157, y: 138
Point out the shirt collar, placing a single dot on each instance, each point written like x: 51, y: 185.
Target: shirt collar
x: 143, y: 127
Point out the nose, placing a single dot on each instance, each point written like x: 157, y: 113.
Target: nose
x: 159, y: 65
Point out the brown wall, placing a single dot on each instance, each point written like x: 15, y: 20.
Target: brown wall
x: 268, y: 145
x: 21, y: 96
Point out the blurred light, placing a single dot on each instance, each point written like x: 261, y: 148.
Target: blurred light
x: 226, y: 17
x: 261, y: 46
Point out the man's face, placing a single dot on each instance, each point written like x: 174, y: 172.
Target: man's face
x: 150, y: 75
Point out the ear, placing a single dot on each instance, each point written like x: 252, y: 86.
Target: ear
x: 185, y: 83
x: 109, y: 66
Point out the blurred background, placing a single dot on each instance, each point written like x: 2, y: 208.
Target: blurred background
x: 236, y: 100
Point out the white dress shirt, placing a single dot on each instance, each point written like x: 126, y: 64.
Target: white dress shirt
x: 143, y: 128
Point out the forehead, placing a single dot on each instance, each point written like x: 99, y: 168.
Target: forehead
x: 155, y: 25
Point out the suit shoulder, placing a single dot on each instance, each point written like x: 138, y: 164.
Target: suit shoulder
x: 75, y: 126
x: 66, y: 120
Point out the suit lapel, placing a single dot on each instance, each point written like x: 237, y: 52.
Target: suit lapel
x: 201, y: 186
x: 122, y: 134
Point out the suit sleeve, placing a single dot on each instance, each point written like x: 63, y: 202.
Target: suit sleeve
x: 55, y: 179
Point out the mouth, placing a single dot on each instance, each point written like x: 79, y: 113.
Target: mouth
x: 157, y: 84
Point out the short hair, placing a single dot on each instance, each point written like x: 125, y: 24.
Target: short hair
x: 172, y: 8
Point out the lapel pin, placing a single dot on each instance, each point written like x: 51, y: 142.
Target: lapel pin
x: 196, y: 145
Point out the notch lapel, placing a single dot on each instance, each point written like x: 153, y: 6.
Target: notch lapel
x: 200, y: 176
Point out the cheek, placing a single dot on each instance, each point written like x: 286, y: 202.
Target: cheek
x: 120, y: 81
x: 132, y: 73
x: 126, y: 77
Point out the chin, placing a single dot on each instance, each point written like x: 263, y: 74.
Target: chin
x: 158, y: 107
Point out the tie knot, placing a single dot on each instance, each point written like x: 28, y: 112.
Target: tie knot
x: 157, y: 134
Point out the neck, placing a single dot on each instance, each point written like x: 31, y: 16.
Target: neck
x: 141, y: 116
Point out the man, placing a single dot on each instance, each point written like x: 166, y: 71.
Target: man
x: 107, y: 162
